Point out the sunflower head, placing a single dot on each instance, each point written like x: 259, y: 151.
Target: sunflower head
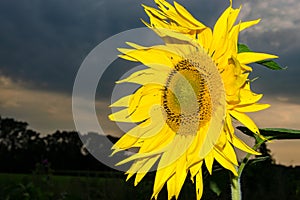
x: 193, y: 86
x: 191, y: 92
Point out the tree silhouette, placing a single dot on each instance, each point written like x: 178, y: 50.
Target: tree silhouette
x: 21, y: 148
x: 16, y: 143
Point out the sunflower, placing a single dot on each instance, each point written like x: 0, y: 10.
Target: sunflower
x: 192, y: 88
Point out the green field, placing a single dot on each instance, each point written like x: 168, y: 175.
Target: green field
x: 26, y: 186
x: 272, y: 183
x: 106, y: 186
x: 86, y: 186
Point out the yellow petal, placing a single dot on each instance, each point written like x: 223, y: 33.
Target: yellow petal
x: 244, y: 119
x: 181, y: 173
x: 246, y: 68
x: 148, y: 56
x: 229, y: 123
x: 193, y: 157
x: 184, y: 13
x: 209, y: 160
x: 234, y: 140
x: 194, y: 169
x: 155, y: 126
x: 220, y: 33
x: 225, y: 163
x: 171, y: 186
x: 135, y: 167
x: 125, y: 142
x: 123, y: 102
x: 228, y: 152
x: 171, y: 151
x: 145, y: 168
x: 178, y: 178
x: 205, y: 38
x: 147, y: 129
x: 247, y: 96
x: 233, y: 41
x: 233, y: 78
x: 252, y: 108
x: 158, y: 141
x: 171, y: 12
x: 176, y: 149
x: 124, y: 116
x: 232, y: 17
x: 135, y: 46
x: 245, y: 25
x: 140, y: 106
x: 132, y: 136
x: 161, y: 177
x: 125, y: 57
x: 152, y: 12
x: 199, y: 185
x: 250, y: 57
x: 238, y: 143
x: 147, y: 76
x: 155, y: 21
x: 140, y: 156
x: 144, y: 99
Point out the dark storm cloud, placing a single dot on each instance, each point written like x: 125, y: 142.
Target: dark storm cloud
x: 277, y: 33
x: 44, y: 42
x: 285, y: 44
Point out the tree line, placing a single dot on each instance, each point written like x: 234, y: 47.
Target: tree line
x: 22, y: 149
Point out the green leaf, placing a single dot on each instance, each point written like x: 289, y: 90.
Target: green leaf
x: 214, y: 187
x: 280, y: 133
x: 281, y: 130
x: 270, y: 64
x: 259, y: 159
x: 273, y: 133
x: 243, y: 48
x: 247, y: 131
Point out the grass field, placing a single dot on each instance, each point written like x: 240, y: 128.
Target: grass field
x: 107, y: 187
x: 96, y: 186
x: 275, y: 182
x: 26, y: 186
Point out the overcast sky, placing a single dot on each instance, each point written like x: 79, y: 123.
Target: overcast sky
x: 44, y: 42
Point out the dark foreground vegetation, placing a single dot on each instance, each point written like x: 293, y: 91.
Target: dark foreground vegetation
x: 58, y: 166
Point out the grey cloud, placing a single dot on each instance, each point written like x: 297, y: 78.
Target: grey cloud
x: 285, y: 44
x: 44, y: 42
x: 275, y: 14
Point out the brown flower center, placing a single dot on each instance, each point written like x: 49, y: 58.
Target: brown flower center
x: 186, y: 98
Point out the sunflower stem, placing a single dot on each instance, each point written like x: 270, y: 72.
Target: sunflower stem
x: 247, y: 157
x: 236, y: 192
